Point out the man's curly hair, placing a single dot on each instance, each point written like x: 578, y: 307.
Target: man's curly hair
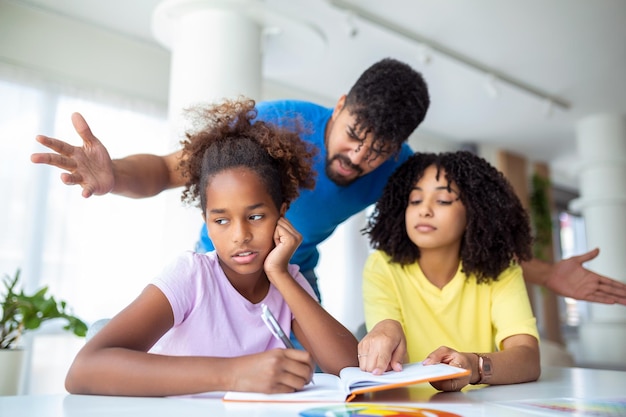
x: 498, y: 229
x: 390, y: 99
x: 226, y: 136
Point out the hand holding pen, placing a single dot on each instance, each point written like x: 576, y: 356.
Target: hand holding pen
x: 272, y: 324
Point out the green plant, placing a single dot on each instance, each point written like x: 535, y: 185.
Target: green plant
x: 22, y: 312
x: 541, y: 216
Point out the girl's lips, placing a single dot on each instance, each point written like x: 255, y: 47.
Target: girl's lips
x: 425, y: 228
x: 245, y: 257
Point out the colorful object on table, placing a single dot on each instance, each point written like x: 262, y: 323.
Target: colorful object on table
x: 372, y: 410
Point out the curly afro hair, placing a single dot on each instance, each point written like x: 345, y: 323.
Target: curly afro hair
x: 226, y: 136
x: 390, y: 99
x: 498, y: 229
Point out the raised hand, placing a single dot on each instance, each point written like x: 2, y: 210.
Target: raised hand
x: 570, y: 279
x: 383, y: 348
x: 273, y: 371
x: 89, y: 165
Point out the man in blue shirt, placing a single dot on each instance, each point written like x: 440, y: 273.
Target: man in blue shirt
x: 361, y: 141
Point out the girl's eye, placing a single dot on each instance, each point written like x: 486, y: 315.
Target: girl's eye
x: 256, y: 217
x: 414, y: 202
x: 444, y: 202
x: 221, y: 221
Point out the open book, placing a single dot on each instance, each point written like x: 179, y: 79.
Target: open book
x: 352, y: 381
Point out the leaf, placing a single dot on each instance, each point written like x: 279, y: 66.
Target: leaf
x: 22, y: 312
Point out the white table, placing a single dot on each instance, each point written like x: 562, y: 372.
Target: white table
x: 588, y: 384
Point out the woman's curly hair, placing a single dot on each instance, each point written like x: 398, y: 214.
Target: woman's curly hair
x: 390, y: 99
x: 498, y: 229
x: 226, y: 136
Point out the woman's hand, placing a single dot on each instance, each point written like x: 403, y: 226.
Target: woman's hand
x: 451, y: 357
x: 383, y: 348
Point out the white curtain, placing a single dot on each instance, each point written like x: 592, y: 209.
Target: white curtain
x: 96, y: 253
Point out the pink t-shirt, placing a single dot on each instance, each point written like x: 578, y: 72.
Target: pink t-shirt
x: 210, y: 317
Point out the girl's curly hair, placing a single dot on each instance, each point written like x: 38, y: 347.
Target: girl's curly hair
x: 498, y: 229
x: 226, y: 136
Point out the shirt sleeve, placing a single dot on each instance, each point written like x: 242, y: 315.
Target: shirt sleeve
x: 511, y: 311
x: 379, y: 291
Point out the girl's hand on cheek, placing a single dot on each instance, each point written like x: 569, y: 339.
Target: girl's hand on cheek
x: 286, y: 240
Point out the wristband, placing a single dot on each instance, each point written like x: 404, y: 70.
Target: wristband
x: 485, y: 369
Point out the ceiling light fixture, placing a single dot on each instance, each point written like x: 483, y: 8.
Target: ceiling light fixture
x: 376, y: 20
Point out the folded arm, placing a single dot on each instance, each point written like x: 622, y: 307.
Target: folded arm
x: 332, y: 345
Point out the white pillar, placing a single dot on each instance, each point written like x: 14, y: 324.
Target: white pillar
x: 216, y: 54
x: 601, y: 143
x: 215, y: 51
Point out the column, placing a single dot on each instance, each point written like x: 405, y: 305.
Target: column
x: 215, y: 54
x: 601, y: 141
x: 215, y: 50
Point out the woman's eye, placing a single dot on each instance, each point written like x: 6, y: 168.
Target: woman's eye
x: 445, y: 202
x: 415, y: 202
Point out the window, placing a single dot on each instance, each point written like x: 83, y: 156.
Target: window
x: 96, y: 253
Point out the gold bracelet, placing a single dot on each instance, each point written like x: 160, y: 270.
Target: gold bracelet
x: 485, y: 369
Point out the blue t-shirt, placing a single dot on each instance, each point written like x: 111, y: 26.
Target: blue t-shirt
x: 316, y: 213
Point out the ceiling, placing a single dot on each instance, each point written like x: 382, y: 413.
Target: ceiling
x: 572, y: 51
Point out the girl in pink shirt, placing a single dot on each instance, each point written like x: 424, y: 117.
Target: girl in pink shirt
x: 197, y: 327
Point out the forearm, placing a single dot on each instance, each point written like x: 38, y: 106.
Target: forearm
x: 117, y: 371
x: 146, y: 175
x: 512, y: 365
x: 330, y: 343
x: 536, y: 271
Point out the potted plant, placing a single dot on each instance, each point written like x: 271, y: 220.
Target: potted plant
x: 23, y: 312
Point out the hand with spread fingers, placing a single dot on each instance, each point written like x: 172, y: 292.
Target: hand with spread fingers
x: 570, y: 279
x: 89, y: 166
x: 383, y: 348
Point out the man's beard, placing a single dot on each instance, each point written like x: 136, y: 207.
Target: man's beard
x: 339, y: 179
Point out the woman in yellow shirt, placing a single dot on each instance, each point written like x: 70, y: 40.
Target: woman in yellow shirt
x: 443, y: 284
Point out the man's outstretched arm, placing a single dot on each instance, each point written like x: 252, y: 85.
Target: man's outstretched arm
x: 569, y: 278
x: 91, y: 167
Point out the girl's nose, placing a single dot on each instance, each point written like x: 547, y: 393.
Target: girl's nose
x: 242, y: 234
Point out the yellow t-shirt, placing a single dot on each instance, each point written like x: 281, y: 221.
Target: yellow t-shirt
x: 463, y: 315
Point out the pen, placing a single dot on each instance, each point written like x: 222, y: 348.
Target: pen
x: 272, y: 324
